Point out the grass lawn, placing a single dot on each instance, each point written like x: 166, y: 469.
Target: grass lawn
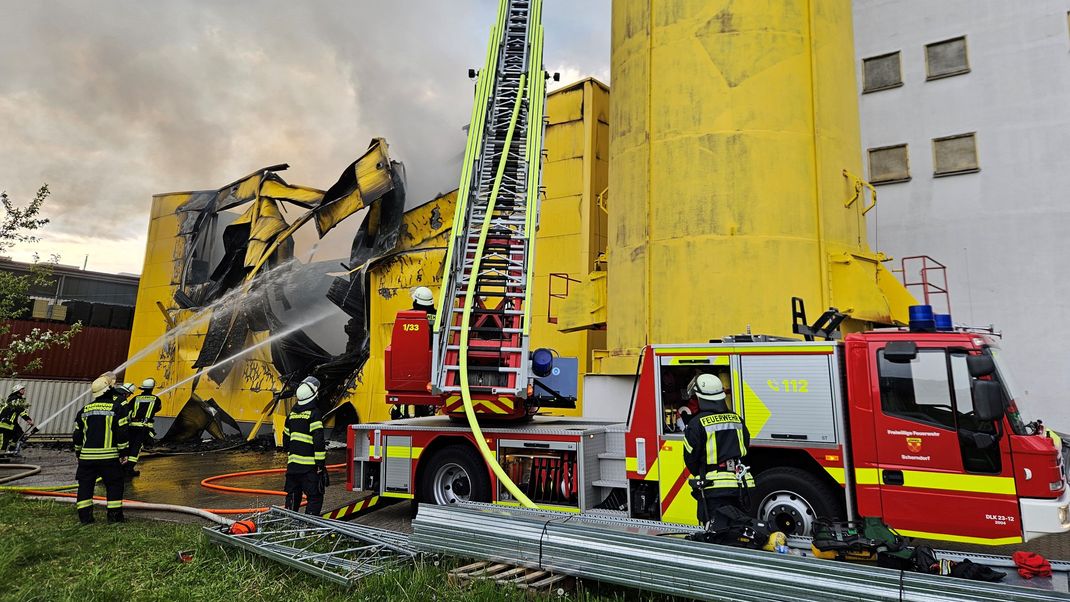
x: 45, y: 554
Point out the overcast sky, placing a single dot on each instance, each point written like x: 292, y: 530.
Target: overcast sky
x: 112, y: 101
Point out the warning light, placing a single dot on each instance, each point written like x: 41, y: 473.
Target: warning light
x: 922, y: 318
x: 831, y: 458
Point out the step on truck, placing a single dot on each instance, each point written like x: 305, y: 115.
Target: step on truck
x: 918, y: 428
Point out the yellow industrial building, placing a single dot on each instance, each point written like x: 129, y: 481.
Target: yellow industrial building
x: 571, y: 243
x: 682, y: 222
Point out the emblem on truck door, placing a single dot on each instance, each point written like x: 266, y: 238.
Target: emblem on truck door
x: 914, y: 444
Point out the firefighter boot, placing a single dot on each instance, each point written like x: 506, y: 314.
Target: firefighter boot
x: 115, y: 515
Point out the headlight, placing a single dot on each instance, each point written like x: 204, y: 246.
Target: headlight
x: 1056, y: 485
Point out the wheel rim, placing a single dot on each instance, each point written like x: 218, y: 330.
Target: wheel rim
x: 452, y: 484
x: 787, y: 512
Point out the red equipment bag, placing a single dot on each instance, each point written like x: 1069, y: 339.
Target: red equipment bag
x: 1031, y: 564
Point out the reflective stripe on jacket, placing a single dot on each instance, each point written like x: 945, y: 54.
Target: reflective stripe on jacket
x: 302, y: 439
x: 143, y: 410
x: 712, y: 439
x: 100, y: 430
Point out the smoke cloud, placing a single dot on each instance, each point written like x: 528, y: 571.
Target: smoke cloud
x: 112, y: 101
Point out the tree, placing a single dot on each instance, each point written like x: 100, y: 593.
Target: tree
x: 19, y: 225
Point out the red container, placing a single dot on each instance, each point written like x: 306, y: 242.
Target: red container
x: 93, y: 351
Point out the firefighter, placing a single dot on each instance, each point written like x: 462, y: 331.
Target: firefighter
x: 13, y: 409
x: 306, y: 452
x: 142, y: 412
x: 715, y: 442
x: 101, y: 442
x: 125, y: 392
x: 423, y: 300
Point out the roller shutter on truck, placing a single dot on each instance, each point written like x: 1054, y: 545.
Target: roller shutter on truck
x: 789, y: 398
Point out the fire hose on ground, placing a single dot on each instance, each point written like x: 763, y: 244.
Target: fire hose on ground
x: 69, y: 498
x: 27, y: 470
x: 212, y: 514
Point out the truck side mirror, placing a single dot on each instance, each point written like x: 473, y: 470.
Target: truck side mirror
x: 901, y: 352
x: 980, y: 365
x: 987, y: 400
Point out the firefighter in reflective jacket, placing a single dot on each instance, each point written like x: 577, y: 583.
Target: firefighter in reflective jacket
x: 306, y: 452
x: 142, y: 411
x: 15, y: 408
x: 715, y: 442
x: 100, y: 440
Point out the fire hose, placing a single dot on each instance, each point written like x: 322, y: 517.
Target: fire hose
x: 28, y: 470
x: 70, y: 498
x: 209, y: 482
x: 212, y: 514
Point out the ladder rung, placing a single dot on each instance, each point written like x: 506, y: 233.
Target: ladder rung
x: 477, y: 368
x: 503, y: 349
x: 502, y: 330
x: 491, y: 312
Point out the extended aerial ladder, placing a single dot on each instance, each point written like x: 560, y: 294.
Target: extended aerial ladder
x: 480, y: 334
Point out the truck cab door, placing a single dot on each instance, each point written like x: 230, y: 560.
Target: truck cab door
x: 674, y: 375
x: 937, y: 479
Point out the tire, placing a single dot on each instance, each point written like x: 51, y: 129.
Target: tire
x: 789, y: 499
x: 455, y: 473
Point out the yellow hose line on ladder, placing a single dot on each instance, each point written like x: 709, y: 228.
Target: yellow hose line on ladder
x: 536, y: 106
x: 473, y: 146
x: 466, y: 316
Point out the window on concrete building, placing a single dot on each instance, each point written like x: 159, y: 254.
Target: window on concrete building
x: 889, y: 164
x: 953, y: 155
x: 881, y: 72
x: 947, y: 58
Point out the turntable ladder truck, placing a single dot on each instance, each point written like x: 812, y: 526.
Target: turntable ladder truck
x: 917, y: 426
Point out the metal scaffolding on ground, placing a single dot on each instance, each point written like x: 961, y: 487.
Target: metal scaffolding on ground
x: 645, y: 555
x: 340, y: 552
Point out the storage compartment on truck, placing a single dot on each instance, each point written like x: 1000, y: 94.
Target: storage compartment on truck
x: 545, y: 471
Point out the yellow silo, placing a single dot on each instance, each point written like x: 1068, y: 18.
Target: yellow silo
x: 734, y: 152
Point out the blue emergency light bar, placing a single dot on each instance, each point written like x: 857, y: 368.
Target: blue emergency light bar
x: 922, y: 318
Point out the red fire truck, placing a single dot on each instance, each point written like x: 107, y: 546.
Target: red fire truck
x: 917, y: 428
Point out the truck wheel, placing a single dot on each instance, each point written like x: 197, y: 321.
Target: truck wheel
x: 789, y: 499
x: 455, y: 474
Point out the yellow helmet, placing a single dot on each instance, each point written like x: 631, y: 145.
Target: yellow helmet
x: 100, y: 386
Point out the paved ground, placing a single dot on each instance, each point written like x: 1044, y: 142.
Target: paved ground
x: 176, y: 480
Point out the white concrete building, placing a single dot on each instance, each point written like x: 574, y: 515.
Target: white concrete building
x: 965, y: 109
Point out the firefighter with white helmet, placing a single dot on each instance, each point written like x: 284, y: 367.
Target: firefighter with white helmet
x: 14, y: 408
x: 423, y: 300
x: 306, y: 451
x: 142, y: 412
x: 715, y: 442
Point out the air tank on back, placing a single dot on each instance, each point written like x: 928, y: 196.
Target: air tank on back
x: 734, y: 152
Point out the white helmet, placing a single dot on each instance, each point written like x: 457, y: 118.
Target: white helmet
x: 148, y: 384
x: 308, y: 389
x: 422, y: 295
x: 19, y: 388
x: 128, y: 387
x: 709, y: 388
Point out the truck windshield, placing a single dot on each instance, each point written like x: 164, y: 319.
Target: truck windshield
x: 1010, y: 389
